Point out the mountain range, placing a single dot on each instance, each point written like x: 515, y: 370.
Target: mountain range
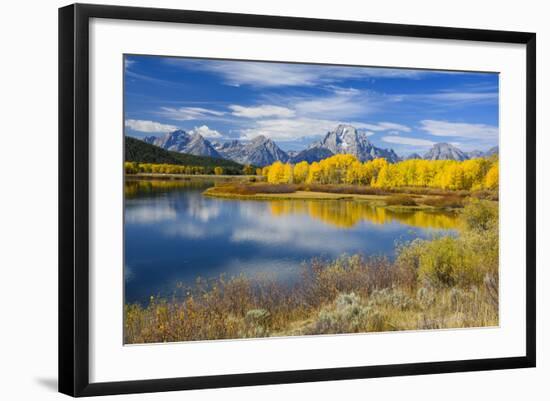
x: 260, y: 151
x: 447, y: 151
x: 182, y: 142
x: 263, y: 151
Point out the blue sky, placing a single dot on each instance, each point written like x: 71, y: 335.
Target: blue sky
x: 296, y: 104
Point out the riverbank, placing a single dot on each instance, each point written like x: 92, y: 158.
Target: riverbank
x: 444, y: 282
x: 192, y: 177
x: 399, y: 198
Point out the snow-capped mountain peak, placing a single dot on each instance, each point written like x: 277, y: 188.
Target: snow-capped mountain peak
x: 346, y: 139
x: 445, y: 151
x: 181, y: 141
x: 260, y: 151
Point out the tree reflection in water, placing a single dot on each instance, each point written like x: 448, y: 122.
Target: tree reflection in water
x: 348, y: 213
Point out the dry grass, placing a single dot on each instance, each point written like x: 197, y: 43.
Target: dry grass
x: 349, y: 295
x: 400, y: 200
x: 409, y: 197
x: 446, y: 282
x: 239, y: 188
x: 486, y: 194
x: 448, y: 201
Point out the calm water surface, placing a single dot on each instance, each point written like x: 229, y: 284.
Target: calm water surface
x: 173, y: 234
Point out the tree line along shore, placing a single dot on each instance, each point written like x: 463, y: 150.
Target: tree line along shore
x: 472, y: 174
x: 412, y: 184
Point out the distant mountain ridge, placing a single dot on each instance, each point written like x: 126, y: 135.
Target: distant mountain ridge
x: 262, y: 151
x: 182, y: 142
x: 491, y: 152
x: 413, y: 156
x: 474, y: 154
x: 445, y: 151
x: 311, y: 155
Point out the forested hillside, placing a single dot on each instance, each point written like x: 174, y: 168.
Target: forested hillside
x: 141, y: 152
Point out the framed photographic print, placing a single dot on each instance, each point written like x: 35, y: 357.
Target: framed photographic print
x: 249, y: 199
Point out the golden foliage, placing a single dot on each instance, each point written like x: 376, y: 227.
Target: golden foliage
x: 474, y: 174
x: 152, y: 168
x: 491, y: 179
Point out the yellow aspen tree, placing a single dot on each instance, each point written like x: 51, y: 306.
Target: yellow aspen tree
x: 288, y: 174
x: 276, y: 173
x: 383, y: 179
x: 378, y: 164
x: 367, y: 173
x: 353, y: 172
x: 314, y: 173
x: 492, y: 177
x: 301, y: 171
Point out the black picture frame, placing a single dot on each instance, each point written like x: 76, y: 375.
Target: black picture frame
x: 74, y: 198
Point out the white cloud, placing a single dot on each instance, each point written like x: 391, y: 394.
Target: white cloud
x: 355, y: 105
x: 403, y: 140
x: 266, y: 74
x: 206, y: 132
x: 334, y: 107
x: 328, y: 106
x: 290, y: 129
x: 464, y: 130
x: 380, y: 127
x: 393, y: 126
x: 442, y: 100
x: 128, y: 63
x: 261, y: 111
x: 190, y: 113
x: 385, y: 126
x: 343, y: 91
x: 262, y: 74
x: 162, y: 82
x: 461, y: 96
x: 148, y: 126
x: 446, y: 98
